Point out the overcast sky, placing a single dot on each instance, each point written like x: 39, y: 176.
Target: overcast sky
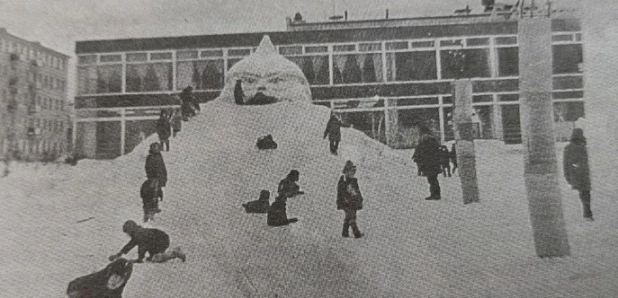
x: 59, y: 23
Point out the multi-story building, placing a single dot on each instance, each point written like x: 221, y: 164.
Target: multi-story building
x: 388, y: 77
x: 34, y: 114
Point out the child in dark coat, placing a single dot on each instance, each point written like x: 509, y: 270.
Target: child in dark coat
x: 150, y: 193
x: 277, y: 214
x: 152, y: 241
x: 333, y: 132
x: 164, y: 130
x: 349, y: 199
x: 155, y: 168
x: 261, y: 205
x: 576, y: 169
x: 428, y: 153
x: 109, y: 282
x: 445, y: 163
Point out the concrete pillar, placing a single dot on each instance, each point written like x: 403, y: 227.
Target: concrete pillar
x: 391, y: 119
x: 497, y: 122
x: 88, y: 135
x: 464, y: 137
x: 600, y: 65
x: 537, y: 123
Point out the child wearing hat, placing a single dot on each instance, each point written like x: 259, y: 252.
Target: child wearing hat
x: 349, y: 199
x: 152, y: 241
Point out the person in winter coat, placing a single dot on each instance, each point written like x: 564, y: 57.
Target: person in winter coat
x: 288, y: 187
x: 164, y: 130
x: 577, y: 170
x: 333, y: 131
x: 155, y: 168
x: 239, y: 96
x: 176, y: 122
x: 453, y: 155
x: 150, y: 192
x: 153, y: 242
x: 349, y: 199
x: 261, y: 205
x: 109, y: 282
x: 418, y: 164
x: 445, y: 161
x: 188, y: 103
x: 428, y: 153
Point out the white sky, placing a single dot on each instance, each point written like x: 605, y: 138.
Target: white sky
x: 59, y: 23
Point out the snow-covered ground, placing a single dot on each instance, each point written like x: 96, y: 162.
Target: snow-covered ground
x: 413, y: 248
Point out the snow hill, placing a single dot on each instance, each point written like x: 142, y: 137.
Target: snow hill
x: 413, y: 248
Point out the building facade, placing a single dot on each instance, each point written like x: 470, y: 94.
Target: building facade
x: 34, y: 115
x: 387, y: 77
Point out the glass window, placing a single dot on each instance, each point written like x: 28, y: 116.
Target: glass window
x: 232, y: 61
x: 370, y: 123
x: 185, y: 55
x: 507, y: 40
x: 508, y: 61
x: 132, y: 57
x: 315, y: 68
x: 316, y: 49
x: 508, y: 97
x: 238, y: 52
x: 471, y: 42
x: 422, y: 44
x: 566, y: 58
x: 409, y: 123
x: 482, y: 98
x: 408, y: 66
x: 417, y: 101
x: 568, y: 111
x: 99, y: 79
x: 200, y: 75
x: 369, y: 47
x: 212, y: 53
x: 357, y: 68
x: 291, y: 50
x: 398, y: 45
x: 160, y: 56
x: 466, y: 63
x: 110, y: 58
x: 344, y: 48
x: 451, y: 42
x: 562, y: 37
x: 149, y: 77
x: 87, y: 59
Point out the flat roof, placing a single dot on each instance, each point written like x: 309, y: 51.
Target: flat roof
x: 312, y: 36
x: 35, y: 44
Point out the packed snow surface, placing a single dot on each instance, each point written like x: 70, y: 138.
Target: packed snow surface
x: 412, y: 247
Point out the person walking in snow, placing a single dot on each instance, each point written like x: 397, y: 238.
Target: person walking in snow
x: 150, y: 192
x: 333, y: 131
x: 349, y: 199
x: 153, y: 242
x: 577, y: 170
x: 428, y: 153
x: 155, y: 168
x: 176, y: 122
x: 445, y: 161
x: 164, y: 130
x: 239, y: 96
x: 453, y: 155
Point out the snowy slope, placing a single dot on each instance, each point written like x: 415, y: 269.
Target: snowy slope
x: 413, y: 248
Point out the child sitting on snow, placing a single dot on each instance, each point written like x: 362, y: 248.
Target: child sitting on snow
x: 109, y: 282
x: 259, y: 206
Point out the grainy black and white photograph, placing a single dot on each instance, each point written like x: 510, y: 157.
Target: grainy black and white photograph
x: 308, y: 148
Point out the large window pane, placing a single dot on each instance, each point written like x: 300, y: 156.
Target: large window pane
x: 409, y: 123
x: 408, y: 66
x: 474, y: 63
x: 371, y: 123
x: 357, y: 68
x: 149, y: 77
x: 508, y: 62
x: 200, y: 75
x: 99, y: 79
x: 315, y: 68
x: 567, y: 58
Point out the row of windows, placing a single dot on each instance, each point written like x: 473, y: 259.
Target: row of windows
x: 49, y: 82
x: 48, y: 125
x: 25, y: 53
x: 397, y: 66
x: 38, y: 146
x: 50, y: 103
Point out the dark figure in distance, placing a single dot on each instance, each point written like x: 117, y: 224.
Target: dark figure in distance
x: 428, y: 153
x: 418, y: 164
x: 454, y: 158
x: 333, y: 131
x: 266, y: 142
x: 188, y: 103
x: 152, y: 241
x: 155, y: 168
x: 239, y: 96
x: 106, y: 283
x: 577, y: 170
x: 259, y: 206
x: 445, y: 161
x: 176, y: 122
x: 277, y: 214
x: 164, y: 130
x: 349, y: 199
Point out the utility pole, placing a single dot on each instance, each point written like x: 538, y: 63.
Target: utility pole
x: 537, y: 121
x: 464, y: 139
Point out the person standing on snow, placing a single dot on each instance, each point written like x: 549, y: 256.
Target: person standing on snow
x: 176, y: 122
x: 164, y: 130
x: 150, y: 194
x: 445, y: 161
x: 349, y: 199
x: 155, y: 169
x: 277, y: 214
x: 188, y: 103
x: 428, y: 153
x: 577, y: 170
x: 152, y: 241
x: 453, y: 155
x: 333, y: 131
